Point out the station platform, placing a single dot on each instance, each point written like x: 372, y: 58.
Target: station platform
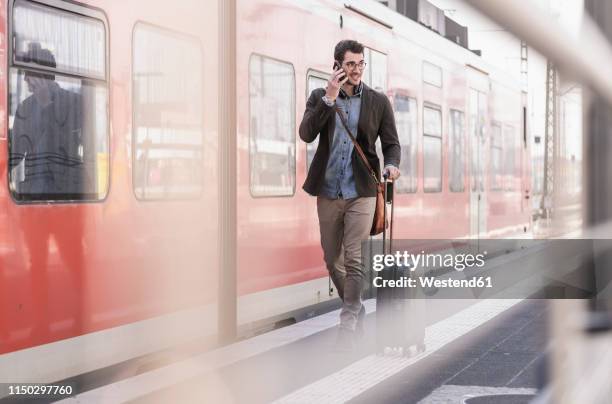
x: 488, y: 349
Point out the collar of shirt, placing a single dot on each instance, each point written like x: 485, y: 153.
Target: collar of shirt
x: 358, y: 91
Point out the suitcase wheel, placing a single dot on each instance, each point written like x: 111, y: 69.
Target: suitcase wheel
x: 409, y: 351
x: 392, y: 351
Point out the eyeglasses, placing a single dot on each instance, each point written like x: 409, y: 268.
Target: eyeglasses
x: 352, y: 65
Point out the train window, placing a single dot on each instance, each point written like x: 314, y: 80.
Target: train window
x: 432, y: 149
x: 375, y: 76
x: 312, y: 84
x: 510, y: 145
x: 478, y: 114
x: 167, y: 106
x: 407, y: 127
x: 456, y: 151
x: 376, y: 70
x: 432, y: 74
x: 272, y: 127
x: 76, y: 42
x: 58, y: 105
x: 496, y: 157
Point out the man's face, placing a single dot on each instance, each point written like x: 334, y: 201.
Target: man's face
x: 354, y: 66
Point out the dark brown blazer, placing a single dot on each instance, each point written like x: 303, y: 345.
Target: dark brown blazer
x: 375, y: 119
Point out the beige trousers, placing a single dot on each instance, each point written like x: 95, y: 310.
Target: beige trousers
x: 344, y: 224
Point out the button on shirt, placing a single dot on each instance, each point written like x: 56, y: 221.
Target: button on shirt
x: 339, y: 180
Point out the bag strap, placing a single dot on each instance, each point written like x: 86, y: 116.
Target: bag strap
x: 357, y: 147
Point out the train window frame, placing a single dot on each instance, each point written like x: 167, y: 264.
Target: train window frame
x: 429, y: 67
x: 493, y: 184
x: 319, y: 75
x: 376, y: 76
x: 373, y: 66
x: 463, y: 137
x: 84, y: 11
x: 438, y: 108
x: 415, y: 189
x: 80, y: 9
x: 177, y: 34
x: 293, y: 109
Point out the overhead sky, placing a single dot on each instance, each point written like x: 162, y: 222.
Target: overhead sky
x: 499, y: 46
x: 569, y: 12
x: 502, y: 49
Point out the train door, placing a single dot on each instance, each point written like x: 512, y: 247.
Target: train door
x: 316, y: 80
x: 375, y: 76
x: 478, y: 153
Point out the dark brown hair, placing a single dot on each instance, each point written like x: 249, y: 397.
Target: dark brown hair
x: 346, y: 45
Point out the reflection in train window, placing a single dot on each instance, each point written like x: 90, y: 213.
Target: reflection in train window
x: 375, y: 76
x: 478, y: 114
x: 406, y: 116
x: 456, y: 151
x: 432, y: 74
x: 77, y: 42
x: 510, y: 145
x: 496, y: 173
x: 432, y: 149
x: 376, y: 70
x: 167, y: 108
x: 313, y: 83
x: 58, y: 124
x: 272, y: 127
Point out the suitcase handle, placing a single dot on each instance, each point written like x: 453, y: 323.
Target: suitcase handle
x: 388, y: 198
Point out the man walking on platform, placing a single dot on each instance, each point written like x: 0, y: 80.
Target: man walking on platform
x: 345, y: 190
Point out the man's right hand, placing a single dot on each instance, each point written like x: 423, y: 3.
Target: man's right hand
x: 334, y: 83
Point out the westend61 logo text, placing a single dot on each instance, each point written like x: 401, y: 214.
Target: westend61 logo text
x: 433, y: 261
x: 410, y: 261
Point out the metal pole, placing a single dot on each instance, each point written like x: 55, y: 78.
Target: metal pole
x: 550, y: 139
x: 574, y: 375
x: 598, y: 162
x: 586, y: 57
x: 227, y: 299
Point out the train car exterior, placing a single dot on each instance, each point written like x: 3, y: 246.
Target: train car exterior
x: 122, y: 263
x: 464, y: 146
x: 129, y: 253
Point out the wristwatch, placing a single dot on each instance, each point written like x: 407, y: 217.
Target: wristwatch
x: 327, y: 101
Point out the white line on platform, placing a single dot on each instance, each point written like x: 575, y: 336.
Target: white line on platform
x: 451, y: 394
x: 360, y: 376
x: 167, y: 376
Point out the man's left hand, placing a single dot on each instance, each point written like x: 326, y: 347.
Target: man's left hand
x: 394, y: 172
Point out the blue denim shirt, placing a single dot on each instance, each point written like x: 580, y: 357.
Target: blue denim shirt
x: 339, y: 180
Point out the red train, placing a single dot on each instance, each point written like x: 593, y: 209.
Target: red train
x: 108, y: 193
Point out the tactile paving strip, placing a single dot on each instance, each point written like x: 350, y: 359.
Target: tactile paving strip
x: 353, y: 380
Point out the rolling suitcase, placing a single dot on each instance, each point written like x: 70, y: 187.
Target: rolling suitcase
x: 400, y: 320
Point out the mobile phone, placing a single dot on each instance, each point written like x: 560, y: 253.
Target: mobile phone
x: 338, y: 66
